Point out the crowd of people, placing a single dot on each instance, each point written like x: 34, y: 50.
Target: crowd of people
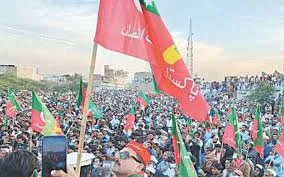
x: 105, y: 137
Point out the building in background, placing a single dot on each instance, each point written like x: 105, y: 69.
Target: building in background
x: 56, y: 78
x: 8, y: 69
x: 143, y: 81
x: 29, y: 73
x: 108, y: 74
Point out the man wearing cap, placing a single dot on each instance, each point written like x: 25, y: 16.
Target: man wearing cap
x: 132, y: 161
x: 270, y: 173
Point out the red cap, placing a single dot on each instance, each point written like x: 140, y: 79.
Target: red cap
x: 140, y: 150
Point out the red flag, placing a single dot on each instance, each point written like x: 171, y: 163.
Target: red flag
x: 228, y: 138
x: 121, y: 27
x: 144, y: 35
x: 254, y: 129
x: 130, y: 120
x: 11, y: 110
x: 279, y: 148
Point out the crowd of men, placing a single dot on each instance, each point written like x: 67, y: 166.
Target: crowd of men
x: 105, y: 137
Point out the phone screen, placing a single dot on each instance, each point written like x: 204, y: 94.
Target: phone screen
x: 54, y: 150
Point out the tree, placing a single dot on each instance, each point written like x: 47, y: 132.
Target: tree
x: 261, y: 93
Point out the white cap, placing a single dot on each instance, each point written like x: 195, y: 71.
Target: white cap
x: 86, y: 159
x: 272, y: 172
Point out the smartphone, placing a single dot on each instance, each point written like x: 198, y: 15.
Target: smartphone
x: 54, y: 152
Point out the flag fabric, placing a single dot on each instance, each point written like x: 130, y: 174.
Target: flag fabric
x: 82, y: 94
x: 175, y: 141
x: 58, y: 129
x: 94, y: 111
x: 144, y: 35
x: 185, y: 166
x: 216, y: 118
x: 156, y: 89
x: 281, y: 113
x: 12, y: 106
x: 143, y: 99
x: 279, y: 148
x: 130, y: 120
x: 257, y: 133
x: 42, y: 120
x: 232, y: 128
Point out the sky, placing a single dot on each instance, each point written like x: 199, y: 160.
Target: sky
x: 230, y: 37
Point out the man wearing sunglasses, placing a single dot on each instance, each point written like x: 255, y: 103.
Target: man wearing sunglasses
x: 132, y: 160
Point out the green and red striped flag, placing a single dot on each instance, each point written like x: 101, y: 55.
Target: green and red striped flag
x: 182, y: 158
x: 143, y: 99
x: 12, y: 106
x: 82, y: 94
x: 130, y: 121
x: 42, y: 120
x: 144, y: 35
x: 257, y: 133
x: 233, y: 128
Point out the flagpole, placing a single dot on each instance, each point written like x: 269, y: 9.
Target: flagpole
x: 85, y: 110
x: 272, y: 158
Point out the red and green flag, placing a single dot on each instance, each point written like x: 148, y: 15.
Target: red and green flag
x: 130, y: 121
x: 144, y: 35
x: 12, y: 106
x: 182, y: 158
x: 58, y: 129
x: 257, y: 133
x: 233, y: 128
x: 281, y: 113
x: 82, y: 94
x: 143, y: 99
x: 42, y: 120
x: 279, y: 148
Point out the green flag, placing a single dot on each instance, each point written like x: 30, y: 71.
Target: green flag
x: 96, y: 112
x: 82, y: 94
x: 185, y: 166
x: 12, y: 98
x: 257, y: 128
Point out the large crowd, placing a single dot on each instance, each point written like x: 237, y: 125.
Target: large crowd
x: 105, y: 136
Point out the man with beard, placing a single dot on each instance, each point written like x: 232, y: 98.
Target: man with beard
x: 132, y: 161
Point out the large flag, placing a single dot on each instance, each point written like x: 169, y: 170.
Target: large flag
x: 82, y: 94
x: 257, y: 133
x: 42, y: 120
x: 136, y: 29
x: 143, y: 99
x: 279, y: 148
x: 281, y: 113
x: 182, y: 158
x: 231, y: 129
x: 130, y: 121
x: 12, y: 106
